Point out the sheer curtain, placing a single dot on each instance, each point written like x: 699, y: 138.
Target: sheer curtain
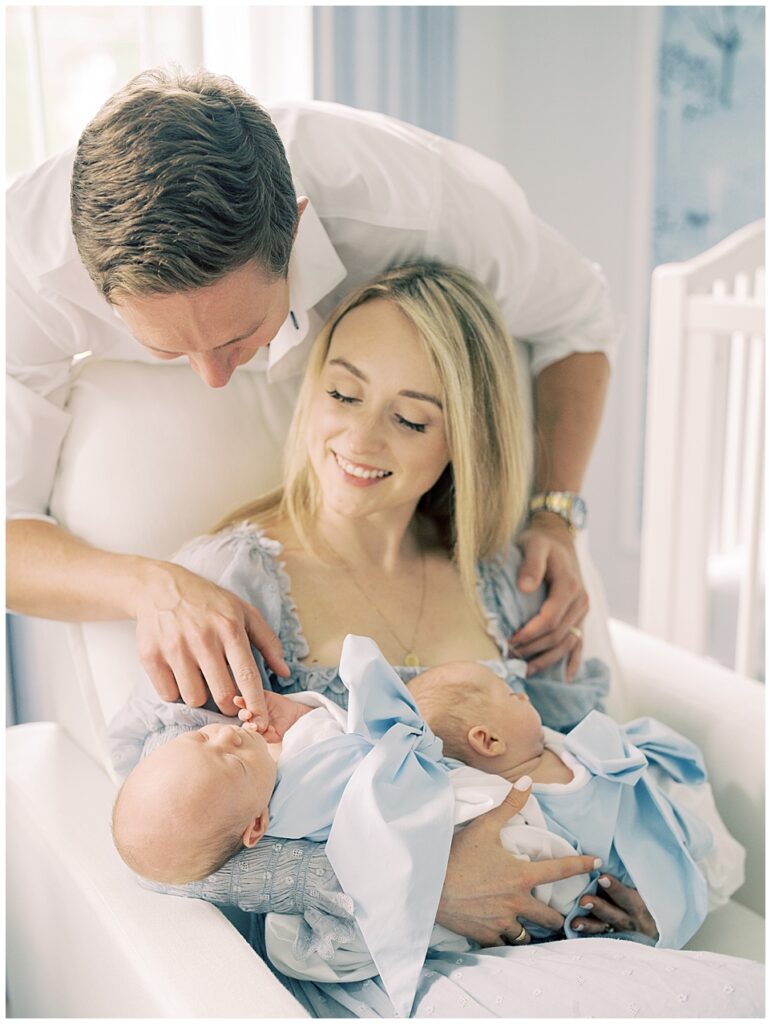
x: 62, y: 63
x: 398, y: 60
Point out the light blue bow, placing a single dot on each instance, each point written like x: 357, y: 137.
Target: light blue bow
x: 385, y: 802
x: 623, y: 817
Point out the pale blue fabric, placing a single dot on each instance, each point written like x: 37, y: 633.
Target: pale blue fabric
x: 623, y: 817
x: 382, y: 799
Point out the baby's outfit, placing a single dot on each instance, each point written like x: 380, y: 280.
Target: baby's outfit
x: 634, y: 801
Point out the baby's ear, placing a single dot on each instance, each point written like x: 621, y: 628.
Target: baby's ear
x: 256, y: 829
x: 484, y: 742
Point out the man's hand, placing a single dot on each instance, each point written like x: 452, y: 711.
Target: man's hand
x: 282, y: 715
x: 195, y: 638
x: 486, y: 889
x: 615, y: 907
x: 550, y: 556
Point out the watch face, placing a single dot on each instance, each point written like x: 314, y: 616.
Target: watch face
x: 578, y: 513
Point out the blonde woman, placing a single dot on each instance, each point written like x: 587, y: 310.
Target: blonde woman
x: 406, y: 478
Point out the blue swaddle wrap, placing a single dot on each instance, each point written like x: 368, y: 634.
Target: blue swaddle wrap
x: 383, y: 801
x: 624, y: 818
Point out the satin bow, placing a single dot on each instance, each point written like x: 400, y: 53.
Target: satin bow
x: 625, y: 818
x: 380, y: 797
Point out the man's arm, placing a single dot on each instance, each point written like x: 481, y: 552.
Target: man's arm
x: 193, y: 636
x: 569, y: 399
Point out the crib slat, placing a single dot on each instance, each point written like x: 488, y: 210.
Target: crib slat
x: 734, y: 441
x: 748, y: 620
x: 696, y: 470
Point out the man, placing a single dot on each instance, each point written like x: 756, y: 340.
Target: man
x: 210, y: 230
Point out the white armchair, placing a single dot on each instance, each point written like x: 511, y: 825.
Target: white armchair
x: 152, y: 458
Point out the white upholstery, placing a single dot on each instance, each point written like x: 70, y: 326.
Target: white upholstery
x: 152, y: 458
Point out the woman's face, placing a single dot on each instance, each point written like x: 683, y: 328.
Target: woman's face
x: 376, y: 431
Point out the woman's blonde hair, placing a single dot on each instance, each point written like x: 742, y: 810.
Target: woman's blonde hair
x: 477, y: 503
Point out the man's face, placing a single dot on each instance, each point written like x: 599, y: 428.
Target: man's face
x: 217, y: 328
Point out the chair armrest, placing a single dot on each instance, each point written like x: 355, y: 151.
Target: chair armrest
x: 83, y: 938
x: 719, y: 710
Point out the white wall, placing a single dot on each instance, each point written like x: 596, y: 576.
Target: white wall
x: 564, y: 97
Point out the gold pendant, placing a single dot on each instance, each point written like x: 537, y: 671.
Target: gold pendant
x: 411, y: 660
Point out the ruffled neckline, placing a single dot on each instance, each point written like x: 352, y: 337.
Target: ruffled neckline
x: 321, y: 678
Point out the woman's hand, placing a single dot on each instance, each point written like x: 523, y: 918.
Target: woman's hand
x: 195, y: 638
x: 615, y: 907
x: 486, y: 890
x: 550, y: 556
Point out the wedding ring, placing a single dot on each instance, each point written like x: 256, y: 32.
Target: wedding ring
x: 577, y: 632
x: 522, y: 937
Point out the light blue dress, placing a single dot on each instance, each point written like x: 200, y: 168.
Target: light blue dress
x: 295, y: 876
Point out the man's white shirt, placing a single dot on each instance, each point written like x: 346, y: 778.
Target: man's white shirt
x: 381, y: 192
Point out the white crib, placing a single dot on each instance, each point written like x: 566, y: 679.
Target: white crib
x: 703, y: 487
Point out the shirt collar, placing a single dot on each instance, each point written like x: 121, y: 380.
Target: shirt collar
x: 315, y: 270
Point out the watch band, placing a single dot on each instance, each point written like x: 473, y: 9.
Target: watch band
x: 570, y: 507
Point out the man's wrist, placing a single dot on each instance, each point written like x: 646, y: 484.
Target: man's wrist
x: 551, y: 522
x: 567, y: 505
x: 142, y: 577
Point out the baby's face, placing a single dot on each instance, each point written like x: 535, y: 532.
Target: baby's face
x: 220, y: 763
x: 220, y: 769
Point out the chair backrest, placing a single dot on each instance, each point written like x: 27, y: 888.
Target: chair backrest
x: 703, y: 483
x: 152, y: 458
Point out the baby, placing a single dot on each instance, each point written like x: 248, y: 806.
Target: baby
x: 485, y: 724
x: 636, y: 795
x: 191, y: 804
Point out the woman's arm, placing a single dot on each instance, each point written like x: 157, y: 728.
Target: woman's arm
x: 485, y: 889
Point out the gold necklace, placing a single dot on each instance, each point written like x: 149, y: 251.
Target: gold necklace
x: 410, y: 657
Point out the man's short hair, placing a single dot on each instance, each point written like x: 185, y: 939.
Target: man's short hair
x: 179, y: 179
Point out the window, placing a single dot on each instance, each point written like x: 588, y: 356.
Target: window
x: 62, y: 63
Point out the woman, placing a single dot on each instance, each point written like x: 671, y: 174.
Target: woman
x: 406, y: 476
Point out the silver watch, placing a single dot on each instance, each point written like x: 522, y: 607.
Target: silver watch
x: 568, y: 506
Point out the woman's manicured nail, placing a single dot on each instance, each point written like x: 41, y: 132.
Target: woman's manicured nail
x: 524, y: 783
x: 604, y: 882
x: 579, y: 927
x: 597, y: 865
x: 588, y: 906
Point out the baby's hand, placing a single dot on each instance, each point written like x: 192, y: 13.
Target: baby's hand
x: 282, y: 711
x: 245, y: 716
